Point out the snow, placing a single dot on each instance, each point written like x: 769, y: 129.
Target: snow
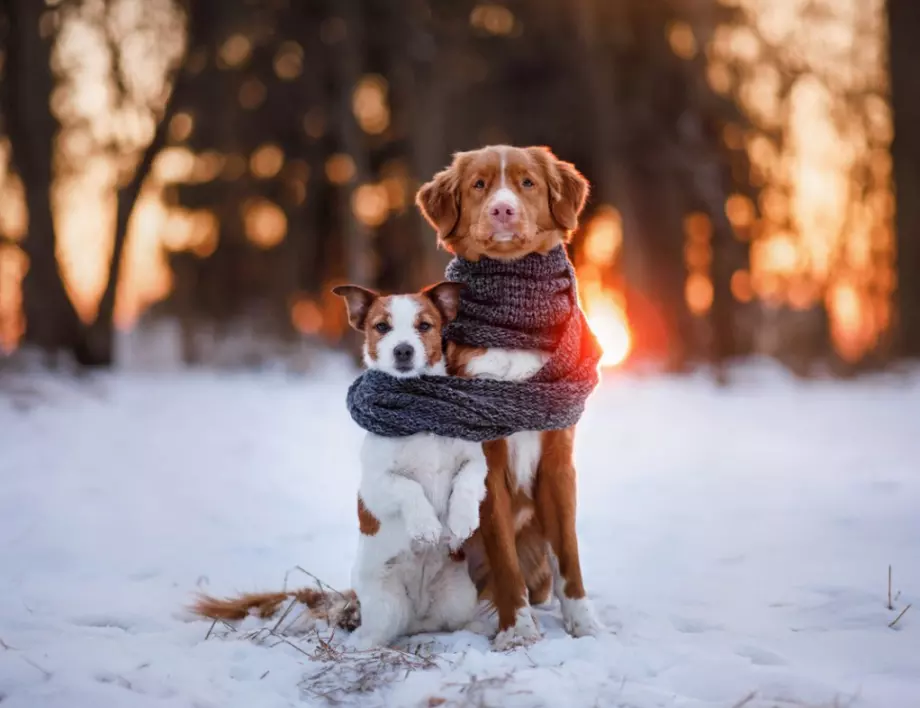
x: 735, y: 541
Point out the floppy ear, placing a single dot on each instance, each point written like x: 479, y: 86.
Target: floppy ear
x: 358, y: 301
x: 568, y: 189
x: 446, y: 297
x: 439, y: 201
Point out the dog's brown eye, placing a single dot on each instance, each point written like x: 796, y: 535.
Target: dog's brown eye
x: 527, y: 182
x: 382, y: 327
x: 424, y: 326
x: 480, y: 184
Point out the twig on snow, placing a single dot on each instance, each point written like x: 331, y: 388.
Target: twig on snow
x: 890, y: 606
x: 287, y: 611
x: 747, y: 699
x: 895, y: 620
x: 47, y: 674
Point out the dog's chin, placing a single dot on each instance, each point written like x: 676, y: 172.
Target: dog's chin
x: 412, y: 372
x: 509, y: 244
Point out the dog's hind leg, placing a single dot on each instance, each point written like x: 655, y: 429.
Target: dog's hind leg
x: 454, y: 601
x: 386, y: 613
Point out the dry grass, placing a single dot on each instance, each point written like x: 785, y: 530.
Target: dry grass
x: 345, y: 675
x: 474, y: 693
x: 342, y: 675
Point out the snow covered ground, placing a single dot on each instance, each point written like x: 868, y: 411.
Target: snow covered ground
x: 736, y: 542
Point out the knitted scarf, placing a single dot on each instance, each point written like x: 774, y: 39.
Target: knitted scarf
x: 530, y: 303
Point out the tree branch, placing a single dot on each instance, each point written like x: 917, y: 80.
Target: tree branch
x: 128, y: 196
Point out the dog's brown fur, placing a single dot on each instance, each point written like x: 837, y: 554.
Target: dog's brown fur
x: 508, y: 555
x: 336, y: 609
x: 368, y: 524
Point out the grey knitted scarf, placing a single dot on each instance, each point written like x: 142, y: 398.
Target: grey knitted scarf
x: 530, y: 303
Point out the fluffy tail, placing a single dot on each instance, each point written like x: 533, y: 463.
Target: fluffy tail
x: 336, y: 609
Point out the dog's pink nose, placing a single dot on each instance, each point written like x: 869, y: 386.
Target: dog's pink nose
x: 503, y: 212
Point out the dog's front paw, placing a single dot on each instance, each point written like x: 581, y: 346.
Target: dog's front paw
x: 460, y: 526
x: 524, y: 631
x: 363, y: 640
x: 423, y: 528
x: 579, y: 618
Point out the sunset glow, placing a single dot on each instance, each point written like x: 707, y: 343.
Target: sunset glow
x: 608, y: 321
x: 602, y: 305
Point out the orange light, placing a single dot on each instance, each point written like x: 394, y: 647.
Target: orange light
x: 370, y: 106
x: 848, y: 321
x: 608, y: 322
x: 340, y: 168
x: 306, y: 316
x: 235, y: 51
x: 604, y: 236
x: 266, y: 161
x: 265, y: 222
x: 741, y: 286
x: 370, y: 204
x: 681, y: 39
x: 739, y: 210
x: 698, y: 292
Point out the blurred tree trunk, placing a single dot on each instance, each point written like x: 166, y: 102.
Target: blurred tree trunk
x: 904, y: 28
x: 348, y: 64
x: 100, y: 337
x: 420, y: 102
x: 52, y: 323
x: 704, y: 176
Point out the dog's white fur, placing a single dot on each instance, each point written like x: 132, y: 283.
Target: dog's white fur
x: 425, y: 490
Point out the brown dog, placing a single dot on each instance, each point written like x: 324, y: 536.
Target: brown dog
x: 505, y: 203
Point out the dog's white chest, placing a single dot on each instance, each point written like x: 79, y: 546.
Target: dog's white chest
x: 524, y: 456
x: 507, y: 364
x: 514, y: 365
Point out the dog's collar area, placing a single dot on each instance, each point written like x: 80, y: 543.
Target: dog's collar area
x: 520, y: 304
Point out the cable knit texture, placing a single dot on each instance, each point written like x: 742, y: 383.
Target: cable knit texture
x: 529, y: 303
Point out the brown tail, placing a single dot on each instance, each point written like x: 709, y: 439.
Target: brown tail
x: 336, y: 609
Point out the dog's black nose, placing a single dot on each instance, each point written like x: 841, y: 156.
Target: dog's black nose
x: 403, y: 354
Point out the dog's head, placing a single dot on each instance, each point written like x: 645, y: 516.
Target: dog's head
x: 504, y: 202
x: 402, y: 333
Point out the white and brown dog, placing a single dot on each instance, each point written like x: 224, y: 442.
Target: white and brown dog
x: 419, y: 495
x: 504, y: 203
x: 418, y: 499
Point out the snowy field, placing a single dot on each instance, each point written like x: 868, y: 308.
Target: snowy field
x: 736, y: 543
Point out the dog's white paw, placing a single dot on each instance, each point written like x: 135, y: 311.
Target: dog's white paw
x: 579, y: 618
x: 361, y: 640
x: 423, y: 527
x: 460, y: 526
x: 524, y: 631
